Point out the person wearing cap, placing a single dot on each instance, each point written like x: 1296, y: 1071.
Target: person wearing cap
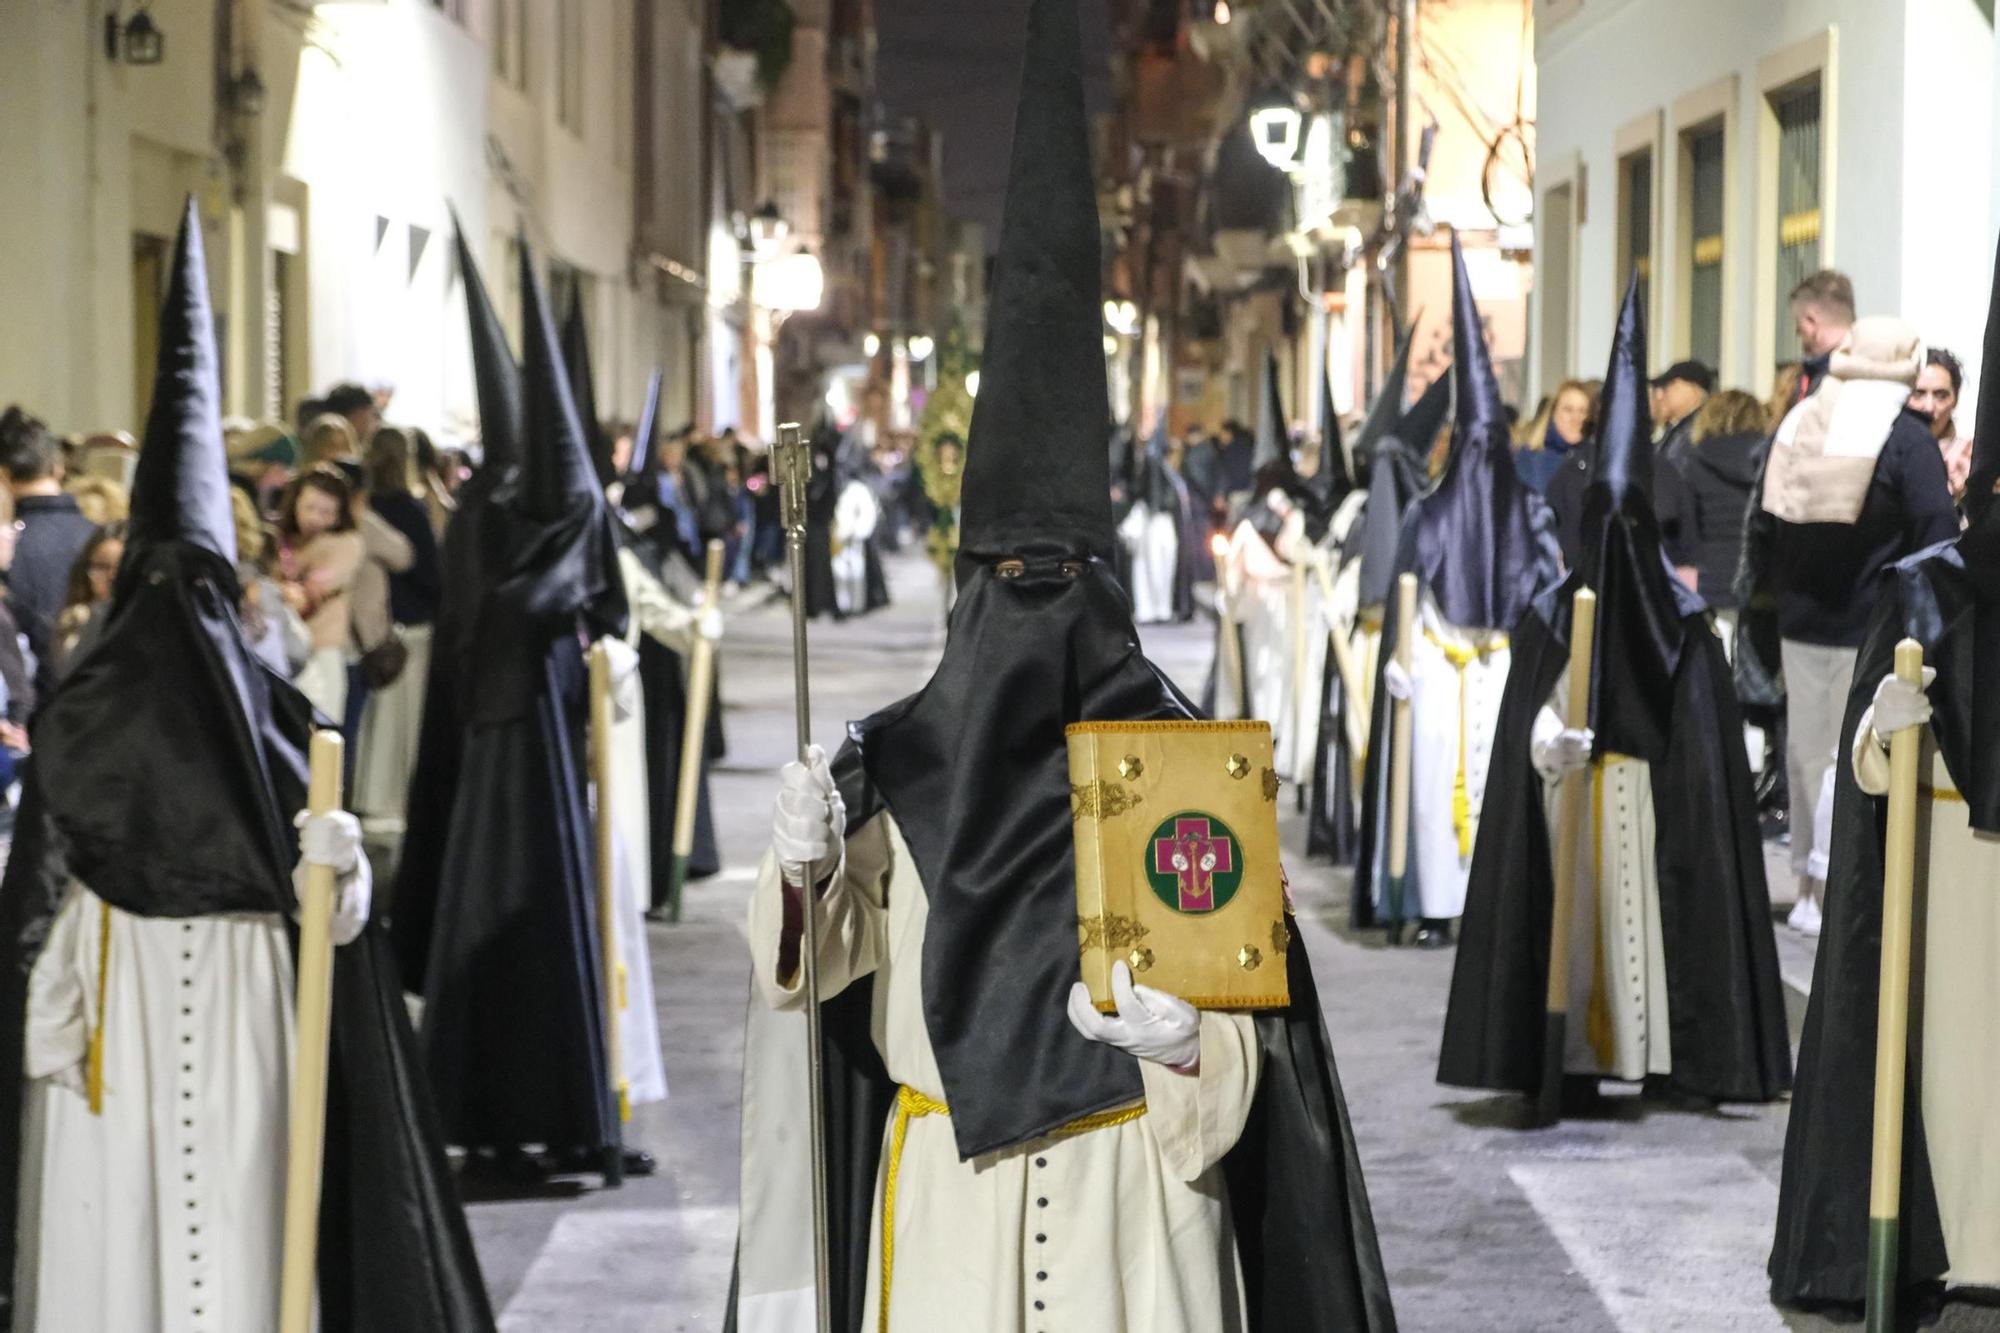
x: 1948, y: 1215
x: 1678, y: 393
x: 1006, y: 1159
x: 1853, y: 482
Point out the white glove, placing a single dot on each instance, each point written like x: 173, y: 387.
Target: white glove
x: 1278, y: 502
x: 334, y: 840
x: 1900, y: 706
x: 1150, y: 1024
x: 708, y: 624
x: 809, y: 828
x: 1565, y: 752
x: 1397, y: 681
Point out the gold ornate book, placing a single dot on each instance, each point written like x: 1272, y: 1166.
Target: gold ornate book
x: 1176, y: 828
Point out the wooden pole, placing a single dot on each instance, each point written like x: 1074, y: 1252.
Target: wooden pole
x: 1892, y: 1021
x: 1569, y: 836
x: 694, y: 737
x: 612, y: 961
x: 1399, y: 756
x: 305, y: 1145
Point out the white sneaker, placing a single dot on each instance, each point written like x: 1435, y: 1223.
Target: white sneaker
x: 1805, y: 917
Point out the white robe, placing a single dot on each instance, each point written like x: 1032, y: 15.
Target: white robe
x: 165, y: 1213
x: 1957, y: 940
x: 1453, y: 715
x: 386, y: 750
x: 1153, y: 541
x: 1618, y: 971
x: 644, y: 1073
x: 855, y: 514
x: 1258, y: 587
x: 1121, y: 1228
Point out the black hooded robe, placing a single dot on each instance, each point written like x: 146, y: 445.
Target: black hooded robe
x: 1820, y: 1254
x: 1725, y: 1003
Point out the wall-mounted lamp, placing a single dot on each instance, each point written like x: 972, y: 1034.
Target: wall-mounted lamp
x: 137, y: 40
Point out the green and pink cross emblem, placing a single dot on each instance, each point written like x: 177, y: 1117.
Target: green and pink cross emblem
x: 1193, y: 863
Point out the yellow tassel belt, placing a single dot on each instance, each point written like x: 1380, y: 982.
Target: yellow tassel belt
x: 914, y: 1105
x: 1460, y: 658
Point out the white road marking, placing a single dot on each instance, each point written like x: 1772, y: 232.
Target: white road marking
x: 1668, y: 1244
x: 651, y: 1270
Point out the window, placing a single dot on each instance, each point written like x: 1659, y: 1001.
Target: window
x: 569, y: 66
x: 1707, y: 187
x: 1635, y: 219
x: 1797, y: 111
x: 1553, y: 285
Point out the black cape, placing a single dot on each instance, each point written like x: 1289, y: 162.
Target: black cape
x: 394, y: 1250
x: 1299, y: 1208
x: 1821, y: 1250
x: 1725, y: 1000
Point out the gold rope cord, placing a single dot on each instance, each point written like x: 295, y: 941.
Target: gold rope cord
x: 1461, y: 794
x: 914, y: 1105
x: 93, y: 1069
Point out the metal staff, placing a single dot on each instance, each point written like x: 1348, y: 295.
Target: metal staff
x: 607, y: 910
x: 794, y: 469
x: 1569, y: 833
x: 1399, y: 757
x: 694, y: 736
x: 1892, y: 1020
x: 306, y: 1142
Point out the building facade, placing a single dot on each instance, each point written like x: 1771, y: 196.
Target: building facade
x: 1726, y: 150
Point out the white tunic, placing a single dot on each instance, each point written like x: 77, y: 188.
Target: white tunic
x: 631, y: 883
x: 854, y: 517
x: 165, y: 1213
x: 1120, y: 1228
x: 1454, y: 707
x: 1618, y: 971
x: 1259, y: 589
x: 1153, y: 541
x: 1956, y: 945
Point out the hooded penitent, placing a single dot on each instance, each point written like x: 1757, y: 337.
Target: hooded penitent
x: 583, y: 386
x: 1335, y: 479
x: 1947, y: 598
x: 1661, y: 693
x: 974, y: 770
x: 1420, y: 425
x: 1481, y: 546
x: 165, y: 774
x: 1395, y: 479
x: 516, y: 1053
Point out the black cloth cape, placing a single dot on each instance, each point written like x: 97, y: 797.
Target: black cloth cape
x: 394, y: 1250
x: 1304, y: 1230
x: 1821, y: 1250
x: 502, y: 866
x: 1725, y: 1001
x: 1331, y: 830
x: 663, y: 683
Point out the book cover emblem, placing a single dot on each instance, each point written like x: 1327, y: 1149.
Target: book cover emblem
x: 1194, y: 863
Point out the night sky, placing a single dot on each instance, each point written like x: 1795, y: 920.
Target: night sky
x: 956, y: 64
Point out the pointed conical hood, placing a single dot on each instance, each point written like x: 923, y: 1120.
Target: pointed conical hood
x: 645, y: 459
x: 1481, y: 417
x: 180, y: 490
x: 1036, y: 467
x: 1273, y: 441
x: 583, y: 385
x: 1624, y: 465
x: 556, y: 474
x: 1335, y: 478
x: 1419, y: 427
x: 1477, y: 547
x: 496, y: 378
x: 1385, y: 414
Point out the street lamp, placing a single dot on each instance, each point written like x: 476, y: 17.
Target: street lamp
x: 768, y: 229
x: 790, y: 283
x: 1275, y: 129
x: 138, y: 38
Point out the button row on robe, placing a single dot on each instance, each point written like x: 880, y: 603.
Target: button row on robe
x: 197, y: 1302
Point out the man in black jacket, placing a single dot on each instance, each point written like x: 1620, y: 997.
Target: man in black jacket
x: 52, y: 532
x: 1854, y: 482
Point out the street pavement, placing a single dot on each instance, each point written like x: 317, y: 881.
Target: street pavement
x: 1649, y: 1219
